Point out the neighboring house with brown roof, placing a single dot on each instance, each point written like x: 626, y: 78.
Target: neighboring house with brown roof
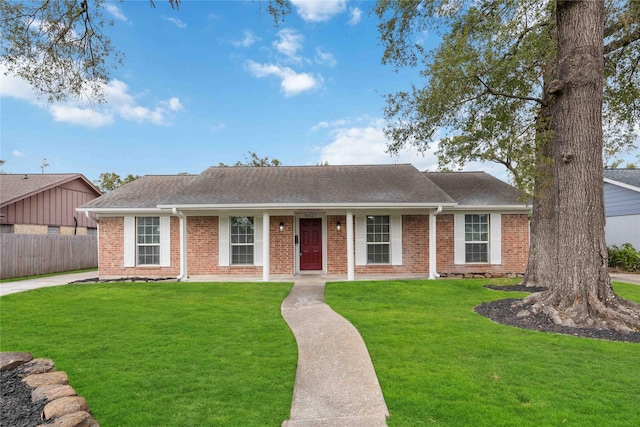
x: 622, y: 206
x: 343, y: 221
x: 45, y: 203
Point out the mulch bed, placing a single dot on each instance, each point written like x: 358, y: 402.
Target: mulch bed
x: 16, y: 408
x: 503, y: 312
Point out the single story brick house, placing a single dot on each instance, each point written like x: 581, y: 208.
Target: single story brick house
x: 343, y: 221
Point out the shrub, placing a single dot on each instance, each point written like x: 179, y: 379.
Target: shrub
x: 625, y: 257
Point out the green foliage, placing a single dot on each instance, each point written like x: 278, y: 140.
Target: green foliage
x: 484, y: 94
x: 109, y: 181
x: 440, y: 363
x: 625, y: 257
x: 163, y: 354
x: 252, y: 159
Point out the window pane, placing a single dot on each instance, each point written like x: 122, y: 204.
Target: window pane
x: 242, y: 239
x: 148, y: 239
x: 476, y: 252
x: 378, y: 254
x: 378, y: 238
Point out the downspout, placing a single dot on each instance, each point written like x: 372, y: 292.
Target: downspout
x: 432, y: 244
x: 183, y: 244
x: 88, y: 215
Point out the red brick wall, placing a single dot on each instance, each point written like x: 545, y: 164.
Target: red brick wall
x: 202, y: 245
x: 111, y: 262
x: 281, y: 245
x: 515, y: 247
x: 415, y: 249
x: 202, y: 248
x: 336, y: 244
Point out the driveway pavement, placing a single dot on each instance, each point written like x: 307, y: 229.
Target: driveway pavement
x: 626, y: 277
x: 7, y: 288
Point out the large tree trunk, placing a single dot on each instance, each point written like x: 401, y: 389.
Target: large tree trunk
x: 542, y: 263
x: 581, y: 294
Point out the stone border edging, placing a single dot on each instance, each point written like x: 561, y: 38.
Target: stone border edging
x: 64, y: 408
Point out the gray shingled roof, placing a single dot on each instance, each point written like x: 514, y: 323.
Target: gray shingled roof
x: 144, y: 193
x: 626, y: 176
x: 475, y: 188
x: 14, y: 187
x: 310, y: 185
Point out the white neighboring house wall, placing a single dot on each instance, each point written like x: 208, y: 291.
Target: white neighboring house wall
x: 622, y: 206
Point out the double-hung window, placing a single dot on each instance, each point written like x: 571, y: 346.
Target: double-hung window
x: 242, y: 240
x: 148, y: 240
x: 378, y: 240
x: 476, y: 237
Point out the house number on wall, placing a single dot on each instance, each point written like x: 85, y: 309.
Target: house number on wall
x: 310, y: 215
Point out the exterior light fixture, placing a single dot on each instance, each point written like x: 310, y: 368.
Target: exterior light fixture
x: 281, y: 226
x: 338, y: 226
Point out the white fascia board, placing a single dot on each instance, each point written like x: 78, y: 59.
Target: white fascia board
x: 622, y: 184
x: 492, y: 208
x: 307, y: 206
x: 123, y: 211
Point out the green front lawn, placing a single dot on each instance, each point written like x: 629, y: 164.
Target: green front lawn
x: 184, y: 354
x: 440, y: 363
x: 163, y: 354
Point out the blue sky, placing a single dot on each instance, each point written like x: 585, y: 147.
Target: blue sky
x: 214, y: 80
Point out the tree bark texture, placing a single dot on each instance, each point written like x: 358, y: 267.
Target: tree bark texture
x: 542, y: 263
x: 581, y: 294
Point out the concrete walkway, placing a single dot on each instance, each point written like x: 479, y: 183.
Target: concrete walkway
x: 7, y: 288
x: 626, y: 277
x: 336, y: 384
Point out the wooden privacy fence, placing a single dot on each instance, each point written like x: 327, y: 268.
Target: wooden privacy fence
x: 33, y: 254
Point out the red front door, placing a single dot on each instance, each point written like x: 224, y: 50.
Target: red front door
x: 310, y: 244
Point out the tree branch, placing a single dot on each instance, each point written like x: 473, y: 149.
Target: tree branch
x: 622, y: 42
x: 491, y: 91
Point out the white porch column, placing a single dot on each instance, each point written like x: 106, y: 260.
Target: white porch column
x: 351, y: 263
x: 183, y: 244
x: 432, y: 243
x: 266, y: 256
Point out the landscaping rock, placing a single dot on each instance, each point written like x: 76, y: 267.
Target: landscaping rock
x: 50, y: 378
x: 37, y: 366
x: 11, y: 360
x: 64, y: 406
x: 76, y: 419
x: 52, y: 392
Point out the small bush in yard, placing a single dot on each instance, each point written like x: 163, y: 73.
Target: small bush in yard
x: 625, y: 257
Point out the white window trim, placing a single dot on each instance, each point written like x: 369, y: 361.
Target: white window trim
x: 224, y: 241
x: 131, y: 245
x: 495, y: 239
x: 395, y: 240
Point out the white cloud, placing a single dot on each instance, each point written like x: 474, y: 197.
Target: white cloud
x: 173, y: 104
x: 17, y: 153
x: 115, y: 11
x: 319, y: 11
x: 368, y: 145
x: 218, y: 127
x: 15, y: 87
x: 248, y: 40
x: 118, y: 103
x: 325, y: 58
x: 177, y: 22
x: 292, y: 83
x: 289, y: 43
x: 80, y: 116
x: 355, y: 15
